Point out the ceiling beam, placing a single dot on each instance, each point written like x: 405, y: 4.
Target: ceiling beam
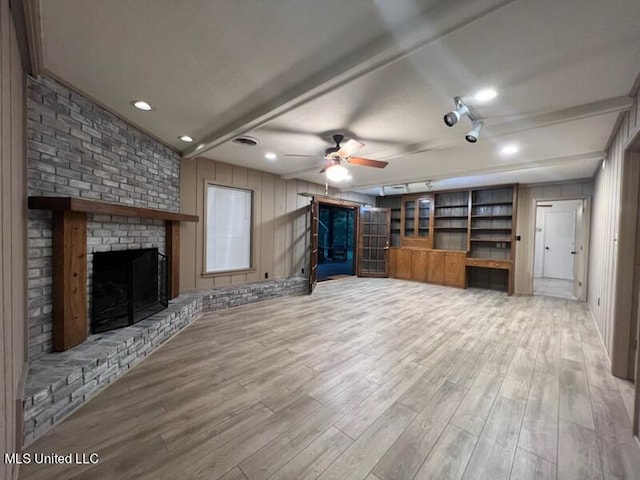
x: 505, y: 127
x: 388, y: 49
x: 519, y: 124
x: 514, y: 167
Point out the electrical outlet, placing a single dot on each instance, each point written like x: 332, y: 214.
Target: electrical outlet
x: 303, y: 270
x: 266, y: 274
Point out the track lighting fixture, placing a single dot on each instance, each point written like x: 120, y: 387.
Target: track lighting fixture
x: 472, y: 136
x: 451, y: 118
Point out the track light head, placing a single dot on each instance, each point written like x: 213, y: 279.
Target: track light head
x: 451, y: 118
x: 472, y: 136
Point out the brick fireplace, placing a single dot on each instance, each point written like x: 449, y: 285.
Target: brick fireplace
x: 77, y: 149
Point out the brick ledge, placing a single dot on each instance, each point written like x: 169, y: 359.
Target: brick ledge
x: 60, y: 382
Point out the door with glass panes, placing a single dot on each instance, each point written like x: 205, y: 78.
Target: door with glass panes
x: 373, y: 242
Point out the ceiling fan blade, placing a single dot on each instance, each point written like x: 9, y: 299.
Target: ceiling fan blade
x: 296, y: 155
x: 349, y: 148
x: 367, y: 162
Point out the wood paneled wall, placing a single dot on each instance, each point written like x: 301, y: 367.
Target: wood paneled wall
x: 523, y: 283
x: 280, y: 224
x: 12, y: 237
x: 606, y: 231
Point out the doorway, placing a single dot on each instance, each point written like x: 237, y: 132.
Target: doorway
x: 336, y: 241
x: 559, y: 249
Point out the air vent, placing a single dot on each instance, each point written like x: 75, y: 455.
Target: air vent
x: 245, y: 141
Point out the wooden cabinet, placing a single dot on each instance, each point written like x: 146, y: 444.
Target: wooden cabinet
x: 404, y: 258
x: 416, y: 225
x: 408, y: 264
x: 454, y: 269
x: 459, y: 237
x: 420, y: 265
x: 436, y: 267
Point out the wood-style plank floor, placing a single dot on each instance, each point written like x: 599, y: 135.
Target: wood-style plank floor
x: 372, y: 379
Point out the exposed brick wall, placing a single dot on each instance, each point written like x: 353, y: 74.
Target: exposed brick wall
x: 78, y: 149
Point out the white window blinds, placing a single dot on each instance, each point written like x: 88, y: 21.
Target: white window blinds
x: 228, y: 234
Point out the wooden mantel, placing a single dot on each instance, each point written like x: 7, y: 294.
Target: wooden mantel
x: 69, y: 287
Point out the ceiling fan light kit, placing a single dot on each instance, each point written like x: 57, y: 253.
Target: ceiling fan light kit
x: 336, y: 155
x: 337, y: 172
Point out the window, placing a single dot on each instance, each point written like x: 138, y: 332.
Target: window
x: 228, y: 229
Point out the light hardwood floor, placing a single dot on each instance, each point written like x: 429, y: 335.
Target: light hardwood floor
x: 372, y: 379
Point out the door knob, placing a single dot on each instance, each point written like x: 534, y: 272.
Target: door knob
x: 574, y: 253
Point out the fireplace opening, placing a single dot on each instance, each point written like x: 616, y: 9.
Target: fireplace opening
x: 128, y: 286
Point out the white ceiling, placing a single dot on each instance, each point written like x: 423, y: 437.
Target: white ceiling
x: 292, y: 72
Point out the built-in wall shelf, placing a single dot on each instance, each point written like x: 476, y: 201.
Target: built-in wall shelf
x: 489, y: 204
x: 477, y: 223
x: 492, y: 240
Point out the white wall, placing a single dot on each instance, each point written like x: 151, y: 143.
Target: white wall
x: 605, y: 230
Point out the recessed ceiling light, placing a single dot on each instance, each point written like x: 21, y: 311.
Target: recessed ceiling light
x: 186, y: 138
x: 509, y: 150
x: 270, y: 156
x: 141, y: 105
x: 486, y: 95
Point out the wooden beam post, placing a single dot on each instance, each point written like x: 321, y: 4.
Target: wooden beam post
x: 69, y: 279
x: 172, y: 229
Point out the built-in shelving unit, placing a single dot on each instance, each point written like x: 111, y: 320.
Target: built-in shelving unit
x: 491, y: 223
x: 465, y: 236
x: 451, y: 220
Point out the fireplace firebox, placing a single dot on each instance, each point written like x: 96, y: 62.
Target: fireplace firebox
x: 128, y: 286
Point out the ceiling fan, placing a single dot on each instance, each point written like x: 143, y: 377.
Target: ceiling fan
x: 335, y: 156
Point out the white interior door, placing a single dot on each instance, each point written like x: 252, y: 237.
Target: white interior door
x: 559, y: 242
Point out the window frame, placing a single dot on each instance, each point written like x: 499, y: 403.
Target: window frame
x: 217, y: 273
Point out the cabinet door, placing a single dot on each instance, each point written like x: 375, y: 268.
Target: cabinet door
x: 403, y: 263
x: 435, y: 268
x: 409, y: 218
x: 420, y: 265
x: 454, y: 272
x: 393, y: 262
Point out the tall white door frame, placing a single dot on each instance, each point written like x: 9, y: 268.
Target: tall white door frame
x: 582, y: 242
